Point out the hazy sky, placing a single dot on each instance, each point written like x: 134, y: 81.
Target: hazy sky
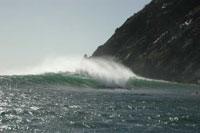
x: 31, y: 30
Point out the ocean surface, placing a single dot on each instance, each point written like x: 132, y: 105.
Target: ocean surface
x: 101, y: 97
x: 67, y: 103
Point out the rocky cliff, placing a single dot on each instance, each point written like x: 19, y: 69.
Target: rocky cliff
x: 162, y: 41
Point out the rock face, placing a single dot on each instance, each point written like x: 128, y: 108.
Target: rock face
x: 162, y: 41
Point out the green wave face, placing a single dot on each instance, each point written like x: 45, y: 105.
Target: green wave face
x: 75, y: 80
x: 49, y: 79
x: 141, y: 83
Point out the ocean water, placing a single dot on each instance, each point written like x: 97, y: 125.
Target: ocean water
x: 100, y: 102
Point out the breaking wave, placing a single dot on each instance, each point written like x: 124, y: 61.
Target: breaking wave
x: 83, y: 73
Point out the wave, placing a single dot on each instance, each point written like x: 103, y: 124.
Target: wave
x: 79, y: 81
x: 88, y: 73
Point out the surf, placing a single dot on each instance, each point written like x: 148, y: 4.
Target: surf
x: 96, y: 73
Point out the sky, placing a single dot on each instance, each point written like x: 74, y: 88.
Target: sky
x: 32, y: 30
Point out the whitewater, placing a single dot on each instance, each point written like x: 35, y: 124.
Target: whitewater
x: 94, y: 95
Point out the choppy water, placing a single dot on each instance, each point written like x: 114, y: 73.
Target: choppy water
x: 70, y: 103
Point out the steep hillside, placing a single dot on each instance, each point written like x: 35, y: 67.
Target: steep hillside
x: 162, y: 41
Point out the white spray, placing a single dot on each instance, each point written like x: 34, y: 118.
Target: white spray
x: 109, y: 72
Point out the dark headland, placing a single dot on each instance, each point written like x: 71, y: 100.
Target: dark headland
x: 162, y: 41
